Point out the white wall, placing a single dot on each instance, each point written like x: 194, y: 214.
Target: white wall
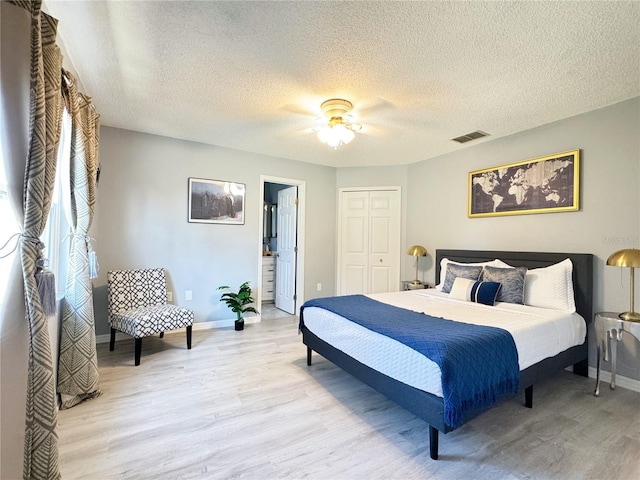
x: 608, y: 219
x: 142, y: 218
x: 14, y: 335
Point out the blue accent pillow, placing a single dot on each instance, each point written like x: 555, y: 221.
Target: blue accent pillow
x: 459, y: 271
x: 511, y: 279
x: 475, y: 291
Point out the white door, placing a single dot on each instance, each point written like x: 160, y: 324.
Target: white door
x: 287, y: 249
x: 354, y: 223
x: 369, y: 242
x: 384, y: 241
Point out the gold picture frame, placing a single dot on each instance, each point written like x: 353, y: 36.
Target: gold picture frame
x: 540, y: 185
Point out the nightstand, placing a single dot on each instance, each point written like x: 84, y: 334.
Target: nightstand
x: 409, y: 285
x: 609, y: 328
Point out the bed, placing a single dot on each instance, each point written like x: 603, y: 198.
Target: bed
x: 430, y: 406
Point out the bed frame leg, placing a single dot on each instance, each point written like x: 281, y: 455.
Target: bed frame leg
x: 528, y: 396
x: 309, y: 356
x: 433, y: 442
x: 581, y: 368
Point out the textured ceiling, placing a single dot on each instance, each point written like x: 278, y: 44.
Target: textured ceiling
x: 251, y: 75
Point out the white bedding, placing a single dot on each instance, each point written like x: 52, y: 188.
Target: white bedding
x: 538, y: 333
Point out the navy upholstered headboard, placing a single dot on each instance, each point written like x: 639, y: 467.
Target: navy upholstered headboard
x: 582, y: 269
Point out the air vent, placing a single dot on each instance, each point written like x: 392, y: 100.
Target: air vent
x: 470, y: 136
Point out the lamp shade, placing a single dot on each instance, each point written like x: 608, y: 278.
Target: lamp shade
x: 629, y: 257
x: 417, y: 251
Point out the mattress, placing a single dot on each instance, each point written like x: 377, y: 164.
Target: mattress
x: 538, y: 333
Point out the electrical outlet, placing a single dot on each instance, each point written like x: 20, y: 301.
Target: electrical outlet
x: 169, y: 296
x: 188, y: 295
x: 319, y: 287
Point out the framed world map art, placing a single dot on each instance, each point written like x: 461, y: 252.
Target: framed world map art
x: 540, y: 185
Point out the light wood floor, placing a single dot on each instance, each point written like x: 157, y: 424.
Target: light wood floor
x: 245, y: 405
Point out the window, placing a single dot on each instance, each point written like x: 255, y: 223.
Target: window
x: 56, y: 232
x: 57, y: 228
x: 9, y: 228
x: 55, y: 237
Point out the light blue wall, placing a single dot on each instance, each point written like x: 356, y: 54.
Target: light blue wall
x: 142, y: 218
x: 608, y: 219
x: 144, y: 180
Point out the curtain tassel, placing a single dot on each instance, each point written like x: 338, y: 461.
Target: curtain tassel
x: 93, y: 260
x: 46, y: 282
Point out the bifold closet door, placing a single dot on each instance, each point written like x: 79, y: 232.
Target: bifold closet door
x: 369, y: 241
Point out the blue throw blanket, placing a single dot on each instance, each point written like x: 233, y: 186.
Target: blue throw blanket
x: 479, y: 364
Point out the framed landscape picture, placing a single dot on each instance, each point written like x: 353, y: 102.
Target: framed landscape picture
x: 541, y: 185
x: 216, y: 201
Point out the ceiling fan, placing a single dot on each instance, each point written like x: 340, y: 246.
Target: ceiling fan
x: 339, y: 128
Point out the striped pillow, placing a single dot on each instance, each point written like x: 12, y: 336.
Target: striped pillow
x: 511, y: 279
x: 474, y: 291
x: 459, y: 271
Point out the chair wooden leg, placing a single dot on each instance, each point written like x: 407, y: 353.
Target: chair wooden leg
x: 112, y: 341
x: 138, y: 349
x: 161, y: 334
x: 189, y: 329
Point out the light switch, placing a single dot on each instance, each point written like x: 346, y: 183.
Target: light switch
x: 188, y: 295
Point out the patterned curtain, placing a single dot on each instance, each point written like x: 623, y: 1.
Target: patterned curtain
x: 78, y: 364
x: 41, y: 438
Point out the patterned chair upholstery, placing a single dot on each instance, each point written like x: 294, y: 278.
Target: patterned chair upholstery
x: 138, y: 307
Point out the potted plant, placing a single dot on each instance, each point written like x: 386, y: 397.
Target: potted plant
x: 239, y: 302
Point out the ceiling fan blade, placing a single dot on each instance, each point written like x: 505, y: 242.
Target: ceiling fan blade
x: 306, y: 131
x: 298, y: 109
x: 376, y: 130
x: 370, y: 107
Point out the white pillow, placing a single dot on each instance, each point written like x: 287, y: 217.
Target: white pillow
x: 551, y: 287
x: 445, y: 261
x: 475, y: 291
x: 500, y: 264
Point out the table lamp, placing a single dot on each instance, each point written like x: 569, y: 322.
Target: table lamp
x: 417, y: 251
x: 629, y: 257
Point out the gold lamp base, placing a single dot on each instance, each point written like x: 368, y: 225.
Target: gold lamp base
x: 630, y: 316
x: 417, y: 251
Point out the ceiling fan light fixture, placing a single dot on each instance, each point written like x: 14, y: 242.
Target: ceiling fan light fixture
x: 336, y: 107
x: 335, y: 135
x: 337, y: 131
x: 324, y: 133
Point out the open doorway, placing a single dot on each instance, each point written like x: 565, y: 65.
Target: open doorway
x: 281, y: 264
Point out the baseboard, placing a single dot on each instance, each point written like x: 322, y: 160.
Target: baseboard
x: 196, y: 326
x: 624, y: 382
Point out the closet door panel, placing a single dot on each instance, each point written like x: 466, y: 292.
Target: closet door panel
x: 369, y: 242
